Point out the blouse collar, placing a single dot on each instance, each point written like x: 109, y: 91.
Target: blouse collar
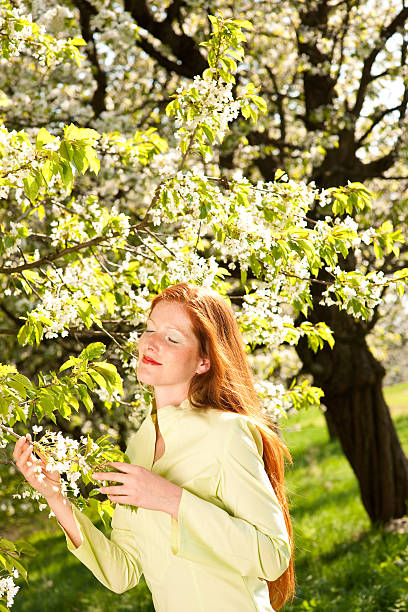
x: 169, y: 409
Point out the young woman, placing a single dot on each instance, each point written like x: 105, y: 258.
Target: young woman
x: 210, y: 528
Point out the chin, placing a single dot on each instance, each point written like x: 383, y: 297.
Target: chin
x: 144, y: 378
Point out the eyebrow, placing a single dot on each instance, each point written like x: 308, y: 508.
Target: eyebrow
x: 173, y: 327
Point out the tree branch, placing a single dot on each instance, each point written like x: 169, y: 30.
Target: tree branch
x: 366, y: 76
x: 183, y: 47
x: 376, y: 119
x: 86, y: 12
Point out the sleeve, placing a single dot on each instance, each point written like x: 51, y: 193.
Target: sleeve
x: 249, y: 535
x: 114, y: 562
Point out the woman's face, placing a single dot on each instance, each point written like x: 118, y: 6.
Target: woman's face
x: 169, y: 351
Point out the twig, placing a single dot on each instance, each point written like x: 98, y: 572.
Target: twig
x: 10, y: 431
x: 153, y: 235
x: 114, y: 340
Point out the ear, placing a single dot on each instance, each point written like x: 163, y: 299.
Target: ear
x: 204, y: 366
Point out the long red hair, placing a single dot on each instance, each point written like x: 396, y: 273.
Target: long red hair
x: 228, y: 385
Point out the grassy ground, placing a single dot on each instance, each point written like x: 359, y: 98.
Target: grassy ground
x: 342, y: 564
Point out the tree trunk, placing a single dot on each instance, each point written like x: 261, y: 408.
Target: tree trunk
x: 331, y: 425
x: 351, y: 379
x: 370, y: 443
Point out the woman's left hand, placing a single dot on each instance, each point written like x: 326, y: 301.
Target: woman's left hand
x: 140, y: 487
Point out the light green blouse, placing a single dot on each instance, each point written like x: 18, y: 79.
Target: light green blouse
x: 230, y: 535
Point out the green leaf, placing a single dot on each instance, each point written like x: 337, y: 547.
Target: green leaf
x: 46, y: 403
x: 92, y: 159
x: 67, y: 176
x: 244, y: 23
x: 171, y: 108
x: 43, y: 138
x: 68, y: 364
x: 85, y: 399
x: 208, y: 132
x: 79, y: 160
x: 66, y: 150
x: 246, y: 111
x: 93, y: 351
x: 21, y: 569
x: 48, y: 170
x: 23, y: 334
x: 31, y: 187
x: 98, y: 378
x: 7, y: 545
x: 110, y: 373
x: 77, y: 41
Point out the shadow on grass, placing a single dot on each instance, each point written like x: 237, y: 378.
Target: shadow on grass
x: 302, y: 505
x: 367, y: 574
x: 320, y: 451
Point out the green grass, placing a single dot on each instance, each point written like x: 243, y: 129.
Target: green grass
x: 342, y: 563
x: 397, y: 398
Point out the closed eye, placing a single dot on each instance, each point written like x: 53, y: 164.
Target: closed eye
x: 151, y: 331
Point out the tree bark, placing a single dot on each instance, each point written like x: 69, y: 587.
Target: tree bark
x: 351, y: 379
x: 331, y: 425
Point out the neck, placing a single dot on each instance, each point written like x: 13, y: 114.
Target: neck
x: 164, y: 397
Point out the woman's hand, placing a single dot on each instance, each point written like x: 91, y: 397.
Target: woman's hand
x: 34, y: 470
x: 140, y: 487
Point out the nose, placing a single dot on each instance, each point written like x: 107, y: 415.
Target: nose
x: 153, y: 342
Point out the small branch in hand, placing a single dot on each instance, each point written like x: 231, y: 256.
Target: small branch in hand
x: 10, y: 431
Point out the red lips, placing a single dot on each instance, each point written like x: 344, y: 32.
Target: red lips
x: 149, y: 360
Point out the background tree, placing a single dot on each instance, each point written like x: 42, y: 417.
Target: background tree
x: 93, y: 225
x: 334, y: 76
x: 328, y: 121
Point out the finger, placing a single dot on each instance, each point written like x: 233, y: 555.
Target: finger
x: 18, y: 447
x: 113, y: 476
x: 123, y: 467
x: 121, y: 490
x: 25, y: 456
x: 120, y: 499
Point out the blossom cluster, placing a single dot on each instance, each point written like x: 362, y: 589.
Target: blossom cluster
x: 273, y: 398
x: 20, y: 34
x: 213, y: 105
x: 72, y: 459
x: 8, y: 589
x: 17, y: 158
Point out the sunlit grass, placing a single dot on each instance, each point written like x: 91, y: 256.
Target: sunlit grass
x: 397, y: 398
x: 342, y: 563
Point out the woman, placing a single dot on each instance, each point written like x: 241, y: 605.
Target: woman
x: 210, y: 527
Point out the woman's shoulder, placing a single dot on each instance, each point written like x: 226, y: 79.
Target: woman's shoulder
x: 228, y: 428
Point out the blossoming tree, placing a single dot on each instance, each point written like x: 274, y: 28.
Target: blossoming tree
x: 95, y: 221
x: 334, y: 75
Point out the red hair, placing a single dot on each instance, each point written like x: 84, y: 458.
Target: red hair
x: 228, y: 385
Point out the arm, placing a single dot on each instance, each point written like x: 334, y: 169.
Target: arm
x: 114, y: 562
x: 47, y: 484
x: 249, y: 535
